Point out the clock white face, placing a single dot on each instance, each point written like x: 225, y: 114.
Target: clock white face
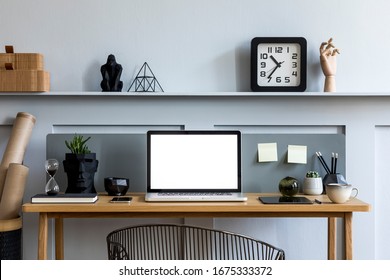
x: 279, y: 64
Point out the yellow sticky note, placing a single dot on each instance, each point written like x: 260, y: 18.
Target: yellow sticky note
x: 267, y: 152
x: 297, y: 154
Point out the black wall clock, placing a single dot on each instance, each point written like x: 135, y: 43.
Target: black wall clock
x: 278, y: 64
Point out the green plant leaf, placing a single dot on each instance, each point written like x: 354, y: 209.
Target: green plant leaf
x: 78, y: 145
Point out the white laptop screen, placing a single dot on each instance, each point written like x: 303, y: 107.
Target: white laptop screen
x: 194, y: 161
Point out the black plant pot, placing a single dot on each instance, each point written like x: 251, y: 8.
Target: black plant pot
x: 80, y: 170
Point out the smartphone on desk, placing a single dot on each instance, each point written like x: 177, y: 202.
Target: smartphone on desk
x: 121, y: 199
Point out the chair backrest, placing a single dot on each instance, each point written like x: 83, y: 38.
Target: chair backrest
x: 183, y: 242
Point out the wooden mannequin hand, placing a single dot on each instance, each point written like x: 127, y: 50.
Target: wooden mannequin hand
x: 328, y: 62
x: 328, y: 58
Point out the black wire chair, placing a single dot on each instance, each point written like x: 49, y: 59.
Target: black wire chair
x: 184, y: 242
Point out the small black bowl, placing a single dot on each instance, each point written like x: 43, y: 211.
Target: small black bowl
x: 116, y: 186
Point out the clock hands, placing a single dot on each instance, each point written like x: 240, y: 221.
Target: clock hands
x: 278, y: 65
x: 273, y: 70
x: 276, y: 62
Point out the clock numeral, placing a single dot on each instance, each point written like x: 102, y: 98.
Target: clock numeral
x: 277, y: 49
x: 279, y: 80
x: 294, y: 64
x: 294, y: 56
x: 263, y: 56
x: 295, y: 73
x: 263, y: 74
x: 263, y: 65
x: 288, y: 49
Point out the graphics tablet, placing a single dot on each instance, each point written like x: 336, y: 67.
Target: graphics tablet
x: 285, y: 200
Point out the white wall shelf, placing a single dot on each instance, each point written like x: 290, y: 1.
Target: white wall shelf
x: 201, y: 94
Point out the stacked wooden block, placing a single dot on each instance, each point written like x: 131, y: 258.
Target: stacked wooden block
x: 23, y: 72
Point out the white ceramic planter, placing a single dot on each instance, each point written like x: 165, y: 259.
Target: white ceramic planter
x: 312, y: 186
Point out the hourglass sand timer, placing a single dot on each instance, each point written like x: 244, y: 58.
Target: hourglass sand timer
x: 51, y: 167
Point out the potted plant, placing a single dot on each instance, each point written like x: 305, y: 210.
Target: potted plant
x: 80, y: 166
x: 312, y: 184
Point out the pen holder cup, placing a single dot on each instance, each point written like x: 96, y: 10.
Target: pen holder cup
x: 333, y: 178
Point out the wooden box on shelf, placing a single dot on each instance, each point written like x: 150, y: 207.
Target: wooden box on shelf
x: 24, y: 80
x: 22, y: 61
x: 23, y: 72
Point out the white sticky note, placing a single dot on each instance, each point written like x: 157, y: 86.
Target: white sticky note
x: 267, y: 152
x: 297, y: 154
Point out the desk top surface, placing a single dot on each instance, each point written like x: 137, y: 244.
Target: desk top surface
x: 251, y: 206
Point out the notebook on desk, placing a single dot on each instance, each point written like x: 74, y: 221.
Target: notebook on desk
x: 194, y: 166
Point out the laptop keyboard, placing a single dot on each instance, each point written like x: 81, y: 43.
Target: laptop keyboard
x: 194, y: 194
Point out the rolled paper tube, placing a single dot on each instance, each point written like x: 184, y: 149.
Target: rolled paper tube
x: 9, y: 225
x: 13, y: 192
x: 17, y: 143
x: 3, y: 174
x: 20, y: 136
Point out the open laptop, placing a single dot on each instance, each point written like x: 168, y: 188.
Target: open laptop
x: 193, y: 165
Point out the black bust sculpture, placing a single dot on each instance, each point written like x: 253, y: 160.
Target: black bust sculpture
x: 111, y: 73
x: 80, y: 170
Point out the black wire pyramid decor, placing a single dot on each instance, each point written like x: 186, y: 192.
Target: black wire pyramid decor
x: 145, y: 81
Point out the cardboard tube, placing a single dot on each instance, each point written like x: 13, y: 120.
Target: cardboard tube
x: 9, y: 225
x: 17, y: 144
x: 20, y: 136
x: 3, y: 174
x: 13, y: 192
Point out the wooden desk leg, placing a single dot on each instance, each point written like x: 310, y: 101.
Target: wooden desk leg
x: 42, y: 236
x: 332, y: 238
x: 59, y: 236
x: 348, y: 235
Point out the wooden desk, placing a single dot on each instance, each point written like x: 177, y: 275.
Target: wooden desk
x: 138, y: 208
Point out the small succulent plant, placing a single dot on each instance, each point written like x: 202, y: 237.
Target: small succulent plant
x: 312, y: 174
x: 77, y: 145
